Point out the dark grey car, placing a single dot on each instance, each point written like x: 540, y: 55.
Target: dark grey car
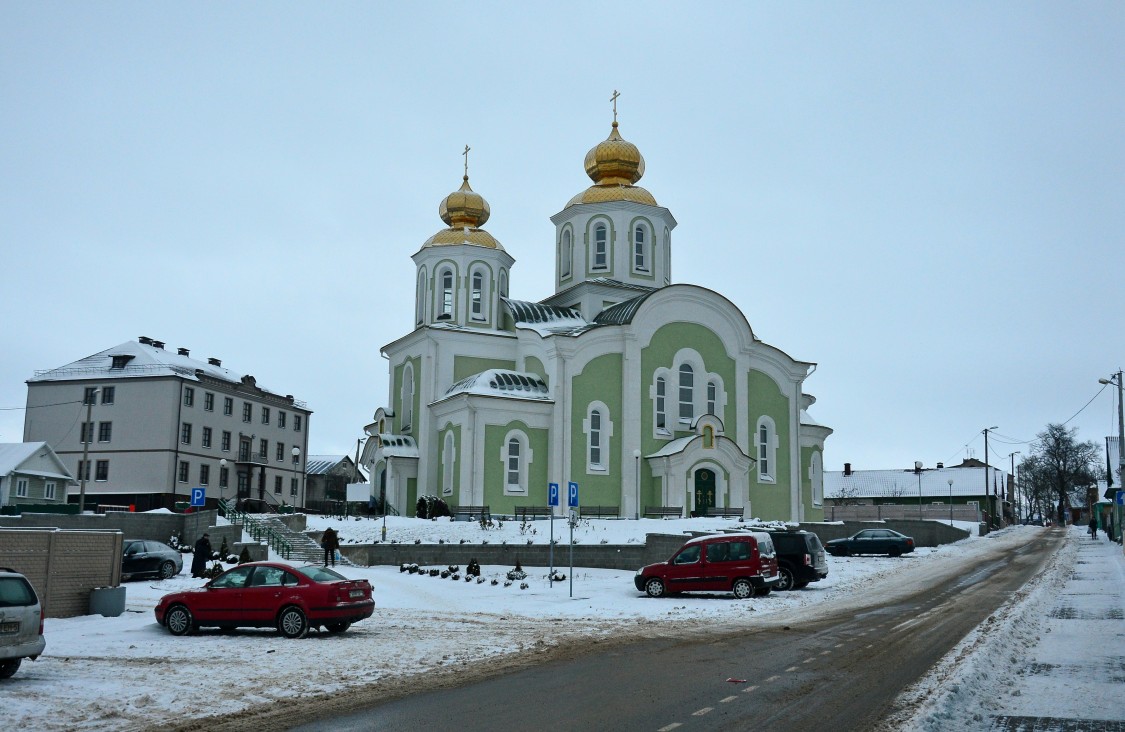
x: 146, y: 558
x: 800, y: 558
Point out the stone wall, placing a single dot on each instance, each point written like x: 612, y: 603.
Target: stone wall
x: 924, y: 533
x: 158, y: 526
x: 63, y: 566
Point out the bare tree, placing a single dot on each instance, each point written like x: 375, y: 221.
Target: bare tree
x: 1059, y: 468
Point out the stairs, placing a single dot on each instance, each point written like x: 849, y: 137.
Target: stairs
x: 302, y: 548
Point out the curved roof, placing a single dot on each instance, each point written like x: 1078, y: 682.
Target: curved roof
x: 503, y: 383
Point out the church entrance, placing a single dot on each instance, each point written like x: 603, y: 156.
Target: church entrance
x: 704, y: 491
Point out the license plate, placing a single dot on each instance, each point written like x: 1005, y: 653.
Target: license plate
x: 356, y: 593
x: 9, y: 627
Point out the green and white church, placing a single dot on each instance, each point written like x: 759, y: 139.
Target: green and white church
x: 643, y: 392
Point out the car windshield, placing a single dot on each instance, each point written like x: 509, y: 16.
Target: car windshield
x: 765, y: 546
x: 321, y: 574
x: 688, y: 555
x: 15, y: 592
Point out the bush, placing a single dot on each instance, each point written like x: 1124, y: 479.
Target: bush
x: 431, y: 507
x: 473, y: 568
x: 244, y: 555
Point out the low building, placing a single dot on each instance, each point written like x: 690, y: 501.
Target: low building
x: 32, y: 474
x: 327, y: 482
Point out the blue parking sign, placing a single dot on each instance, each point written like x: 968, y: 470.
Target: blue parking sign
x: 572, y: 494
x: 552, y: 494
x: 1121, y: 498
x: 197, y: 496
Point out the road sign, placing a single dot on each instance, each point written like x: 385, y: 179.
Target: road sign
x: 1120, y: 498
x: 572, y: 494
x: 197, y: 496
x: 552, y: 494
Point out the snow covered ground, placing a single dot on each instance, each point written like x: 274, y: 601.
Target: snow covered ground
x: 128, y: 673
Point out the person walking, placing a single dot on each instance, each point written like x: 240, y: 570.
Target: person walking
x: 201, y: 556
x: 331, y: 542
x: 1093, y: 527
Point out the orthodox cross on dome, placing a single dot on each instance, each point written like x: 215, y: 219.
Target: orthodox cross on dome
x: 613, y: 99
x: 466, y: 154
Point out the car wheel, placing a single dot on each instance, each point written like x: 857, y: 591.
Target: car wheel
x: 168, y: 570
x: 337, y: 627
x: 786, y: 576
x: 654, y: 588
x: 179, y: 620
x: 742, y: 589
x: 292, y: 622
x: 894, y: 552
x: 7, y: 668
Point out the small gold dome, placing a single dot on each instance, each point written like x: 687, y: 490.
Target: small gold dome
x: 615, y: 161
x: 464, y: 207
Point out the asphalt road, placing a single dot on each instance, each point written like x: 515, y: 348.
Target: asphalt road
x: 833, y: 673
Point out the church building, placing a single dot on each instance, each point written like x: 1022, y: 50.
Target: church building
x: 646, y: 394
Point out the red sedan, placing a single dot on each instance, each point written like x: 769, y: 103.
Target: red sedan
x: 269, y: 595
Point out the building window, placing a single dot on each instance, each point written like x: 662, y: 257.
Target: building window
x: 185, y: 434
x: 208, y: 401
x: 49, y: 491
x: 448, y: 457
x: 204, y: 474
x: 87, y: 433
x: 503, y: 283
x: 206, y: 437
x: 91, y: 395
x: 513, y: 464
x: 816, y: 478
x: 105, y: 431
x: 661, y: 417
x: 228, y: 406
x: 477, y: 305
x: 296, y: 423
x: 687, y: 393
x: 600, y: 247
x: 292, y: 486
x: 277, y: 484
x: 566, y: 254
x: 598, y: 429
x: 263, y: 449
x: 21, y: 488
x: 119, y: 362
x: 247, y: 411
x: 189, y: 397
x: 108, y: 394
x: 420, y: 298
x: 767, y: 450
x: 447, y: 294
x: 516, y: 455
x: 640, y: 251
x: 224, y: 477
x: 407, y: 397
x: 712, y: 397
x: 280, y: 419
x: 225, y: 445
x: 280, y: 452
x: 184, y: 469
x: 265, y: 415
x: 101, y: 470
x: 595, y: 439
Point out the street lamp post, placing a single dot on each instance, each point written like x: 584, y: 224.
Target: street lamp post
x: 637, y: 481
x: 987, y: 497
x: 84, y: 468
x: 296, y: 464
x: 918, y: 472
x: 222, y: 471
x: 1116, y: 380
x: 950, y: 482
x: 1015, y: 490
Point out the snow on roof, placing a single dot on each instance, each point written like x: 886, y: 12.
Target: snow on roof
x: 397, y: 445
x: 904, y: 483
x: 13, y: 454
x: 503, y: 383
x: 321, y: 464
x: 546, y: 320
x: 673, y: 447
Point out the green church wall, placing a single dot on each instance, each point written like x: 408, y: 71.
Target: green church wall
x: 600, y: 381
x: 396, y: 394
x: 535, y: 366
x: 493, y: 467
x: 770, y: 499
x: 465, y: 366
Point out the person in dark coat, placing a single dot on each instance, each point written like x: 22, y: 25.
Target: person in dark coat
x: 331, y: 542
x: 201, y: 557
x: 1093, y: 527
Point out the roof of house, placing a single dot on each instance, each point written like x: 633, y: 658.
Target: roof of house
x: 905, y: 483
x: 13, y: 455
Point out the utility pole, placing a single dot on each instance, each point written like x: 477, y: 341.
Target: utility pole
x: 1015, y: 489
x: 987, y: 496
x: 84, y: 467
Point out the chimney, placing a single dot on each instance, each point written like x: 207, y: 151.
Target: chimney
x: 214, y: 361
x: 145, y: 340
x: 158, y: 344
x: 940, y: 466
x: 183, y: 352
x: 847, y: 468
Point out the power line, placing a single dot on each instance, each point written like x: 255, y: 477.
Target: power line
x: 1083, y: 409
x: 40, y: 406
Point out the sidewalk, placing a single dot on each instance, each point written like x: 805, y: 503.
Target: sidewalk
x: 1052, y: 660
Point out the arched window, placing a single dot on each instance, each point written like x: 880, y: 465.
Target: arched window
x: 516, y: 455
x: 687, y: 393
x: 447, y: 294
x: 407, y: 397
x: 712, y: 397
x: 601, y: 247
x: 767, y: 450
x: 598, y: 429
x: 503, y: 283
x: 661, y: 410
x: 566, y: 254
x: 477, y: 305
x: 640, y: 249
x: 513, y: 462
x: 448, y: 458
x: 420, y: 298
x: 816, y: 477
x: 595, y: 438
x: 708, y: 437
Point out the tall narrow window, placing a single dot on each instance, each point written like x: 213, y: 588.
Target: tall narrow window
x: 640, y: 258
x: 189, y: 397
x: 265, y: 415
x: 49, y: 491
x: 767, y: 450
x: 447, y: 294
x: 87, y: 432
x: 209, y: 401
x: 420, y: 298
x: 566, y: 254
x: 183, y: 472
x: 108, y: 394
x: 513, y: 463
x: 503, y: 283
x: 281, y: 419
x: 478, y: 296
x: 600, y: 247
x: 661, y: 394
x: 228, y: 406
x: 407, y: 397
x: 687, y: 393
x: 277, y: 485
x: 204, y: 474
x: 224, y: 477
x: 90, y: 396
x: 185, y: 433
x: 21, y: 490
x: 763, y: 450
x: 206, y: 437
x: 712, y: 397
x: 595, y: 438
x: 448, y: 457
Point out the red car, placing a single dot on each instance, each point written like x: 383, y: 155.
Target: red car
x: 269, y: 595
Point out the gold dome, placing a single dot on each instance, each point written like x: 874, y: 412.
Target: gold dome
x: 464, y: 207
x: 602, y: 194
x: 615, y: 161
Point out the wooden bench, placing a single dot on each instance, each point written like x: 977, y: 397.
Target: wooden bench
x: 528, y: 513
x: 599, y: 511
x: 664, y: 512
x: 726, y: 513
x: 470, y: 513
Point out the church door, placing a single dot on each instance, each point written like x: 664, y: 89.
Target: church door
x: 704, y: 491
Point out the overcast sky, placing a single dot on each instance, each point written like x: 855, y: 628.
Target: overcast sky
x: 925, y: 200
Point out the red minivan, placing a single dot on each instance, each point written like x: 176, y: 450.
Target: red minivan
x: 745, y: 564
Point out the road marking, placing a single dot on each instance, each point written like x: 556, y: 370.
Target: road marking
x: 825, y: 653
x: 749, y: 689
x: 727, y: 700
x: 838, y: 645
x: 772, y: 679
x: 809, y: 660
x: 791, y: 668
x: 869, y: 645
x: 702, y: 711
x: 670, y: 727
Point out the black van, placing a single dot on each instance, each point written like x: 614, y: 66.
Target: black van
x: 800, y: 558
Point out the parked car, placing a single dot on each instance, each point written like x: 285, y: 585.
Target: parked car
x: 21, y: 622
x: 745, y: 564
x: 146, y: 558
x: 800, y: 558
x: 872, y: 541
x: 269, y: 595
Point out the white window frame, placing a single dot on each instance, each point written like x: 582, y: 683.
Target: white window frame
x: 479, y: 296
x: 407, y: 397
x: 766, y: 449
x: 448, y: 463
x: 680, y: 393
x: 49, y: 490
x: 641, y: 248
x: 446, y: 293
x: 600, y: 260
x: 21, y: 487
x: 566, y: 255
x: 523, y: 458
x: 601, y: 435
x: 816, y: 478
x: 420, y: 298
x: 660, y: 405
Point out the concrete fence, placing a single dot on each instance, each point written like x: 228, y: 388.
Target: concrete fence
x: 879, y: 512
x: 64, y: 567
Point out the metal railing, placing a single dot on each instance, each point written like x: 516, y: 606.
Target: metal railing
x: 257, y: 529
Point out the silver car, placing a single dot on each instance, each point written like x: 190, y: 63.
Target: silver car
x: 21, y: 622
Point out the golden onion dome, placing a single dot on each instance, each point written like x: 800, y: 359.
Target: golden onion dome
x: 464, y: 211
x: 614, y: 165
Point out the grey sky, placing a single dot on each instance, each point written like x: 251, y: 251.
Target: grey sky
x: 926, y: 200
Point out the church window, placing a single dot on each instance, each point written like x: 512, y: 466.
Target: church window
x: 420, y: 298
x: 661, y: 413
x: 513, y: 462
x: 640, y: 249
x: 598, y: 429
x: 448, y: 456
x: 516, y: 455
x: 708, y: 437
x: 566, y: 255
x: 712, y: 397
x: 596, y: 438
x: 407, y: 397
x: 687, y: 393
x: 816, y: 478
x: 503, y: 283
x: 478, y: 296
x: 600, y: 247
x: 767, y: 450
x: 447, y: 294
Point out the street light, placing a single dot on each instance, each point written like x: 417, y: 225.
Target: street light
x: 222, y: 472
x: 988, y: 501
x: 637, y: 481
x: 84, y: 467
x: 918, y: 472
x: 950, y: 482
x: 1015, y: 489
x: 1116, y: 380
x: 296, y: 462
